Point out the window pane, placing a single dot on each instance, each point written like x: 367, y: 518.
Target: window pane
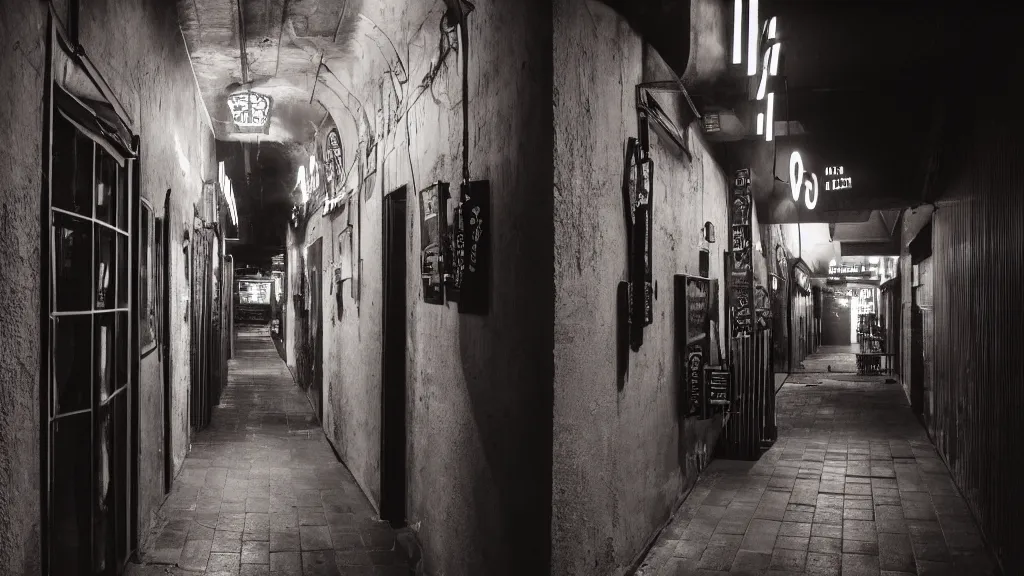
x: 122, y: 271
x: 106, y: 184
x: 71, y: 495
x: 72, y: 168
x: 72, y: 257
x: 147, y: 309
x: 104, y: 268
x: 105, y: 344
x: 72, y: 363
x: 121, y: 351
x: 106, y: 504
x: 122, y: 197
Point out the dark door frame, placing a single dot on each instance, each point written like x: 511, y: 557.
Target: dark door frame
x: 393, y: 388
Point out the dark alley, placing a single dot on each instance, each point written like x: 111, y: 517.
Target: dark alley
x: 510, y: 288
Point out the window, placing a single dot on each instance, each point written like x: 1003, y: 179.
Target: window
x: 89, y: 325
x: 148, y: 320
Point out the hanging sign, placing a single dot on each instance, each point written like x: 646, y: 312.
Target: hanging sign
x: 250, y: 111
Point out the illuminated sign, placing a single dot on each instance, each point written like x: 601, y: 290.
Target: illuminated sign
x: 250, y: 111
x: 229, y: 193
x: 758, y: 36
x: 837, y: 179
x: 309, y: 179
x: 802, y: 181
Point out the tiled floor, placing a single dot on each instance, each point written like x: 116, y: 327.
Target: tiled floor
x: 852, y: 487
x: 841, y: 359
x: 261, y: 492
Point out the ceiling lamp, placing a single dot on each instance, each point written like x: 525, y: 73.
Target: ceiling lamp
x: 250, y: 111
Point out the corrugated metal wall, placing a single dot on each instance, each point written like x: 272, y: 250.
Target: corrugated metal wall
x: 978, y: 252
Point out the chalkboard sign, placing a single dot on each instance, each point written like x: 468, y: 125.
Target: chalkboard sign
x: 697, y: 307
x: 474, y: 291
x: 718, y: 387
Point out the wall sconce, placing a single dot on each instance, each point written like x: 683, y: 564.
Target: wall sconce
x: 185, y: 241
x: 709, y: 232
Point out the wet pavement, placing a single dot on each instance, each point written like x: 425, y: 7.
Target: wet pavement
x: 852, y: 487
x: 262, y: 493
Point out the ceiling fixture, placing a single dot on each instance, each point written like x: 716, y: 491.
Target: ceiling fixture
x: 250, y: 111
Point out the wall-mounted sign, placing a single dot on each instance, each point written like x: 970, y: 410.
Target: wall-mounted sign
x: 837, y: 179
x: 432, y: 232
x: 250, y: 111
x: 712, y: 123
x: 718, y: 388
x: 741, y: 273
x: 693, y: 326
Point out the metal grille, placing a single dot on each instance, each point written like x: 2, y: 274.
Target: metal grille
x: 979, y: 259
x: 752, y: 427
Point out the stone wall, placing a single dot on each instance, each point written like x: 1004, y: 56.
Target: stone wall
x: 623, y: 455
x: 478, y: 387
x: 139, y: 52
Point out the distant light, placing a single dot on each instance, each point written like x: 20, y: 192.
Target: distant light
x: 770, y: 119
x: 752, y: 39
x: 796, y: 174
x: 873, y: 260
x: 832, y: 263
x: 737, y: 32
x: 760, y: 123
x: 302, y: 183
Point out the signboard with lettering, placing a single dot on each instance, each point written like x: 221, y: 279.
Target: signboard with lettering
x: 695, y: 379
x: 718, y: 387
x: 475, y: 211
x: 712, y: 123
x: 741, y: 272
x: 693, y: 301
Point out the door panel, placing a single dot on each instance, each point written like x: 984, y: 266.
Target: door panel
x: 393, y: 411
x: 314, y: 334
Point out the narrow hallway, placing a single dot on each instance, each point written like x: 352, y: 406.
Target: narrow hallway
x: 852, y: 486
x: 262, y: 493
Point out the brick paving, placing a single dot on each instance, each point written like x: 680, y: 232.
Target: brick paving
x: 262, y: 493
x: 852, y: 487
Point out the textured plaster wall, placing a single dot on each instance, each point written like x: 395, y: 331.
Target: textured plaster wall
x: 138, y: 49
x: 623, y: 457
x: 139, y: 52
x: 22, y: 63
x: 479, y: 396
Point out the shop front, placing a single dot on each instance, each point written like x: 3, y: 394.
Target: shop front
x: 803, y: 325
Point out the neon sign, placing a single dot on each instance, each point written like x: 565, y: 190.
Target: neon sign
x: 837, y: 180
x: 769, y: 61
x: 250, y: 111
x: 802, y: 181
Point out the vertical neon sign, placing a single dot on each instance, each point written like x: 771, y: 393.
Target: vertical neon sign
x: 769, y: 60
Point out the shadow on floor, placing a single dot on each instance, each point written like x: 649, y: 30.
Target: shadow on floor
x: 262, y: 493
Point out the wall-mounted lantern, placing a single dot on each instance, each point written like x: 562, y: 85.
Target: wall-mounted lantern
x: 709, y: 232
